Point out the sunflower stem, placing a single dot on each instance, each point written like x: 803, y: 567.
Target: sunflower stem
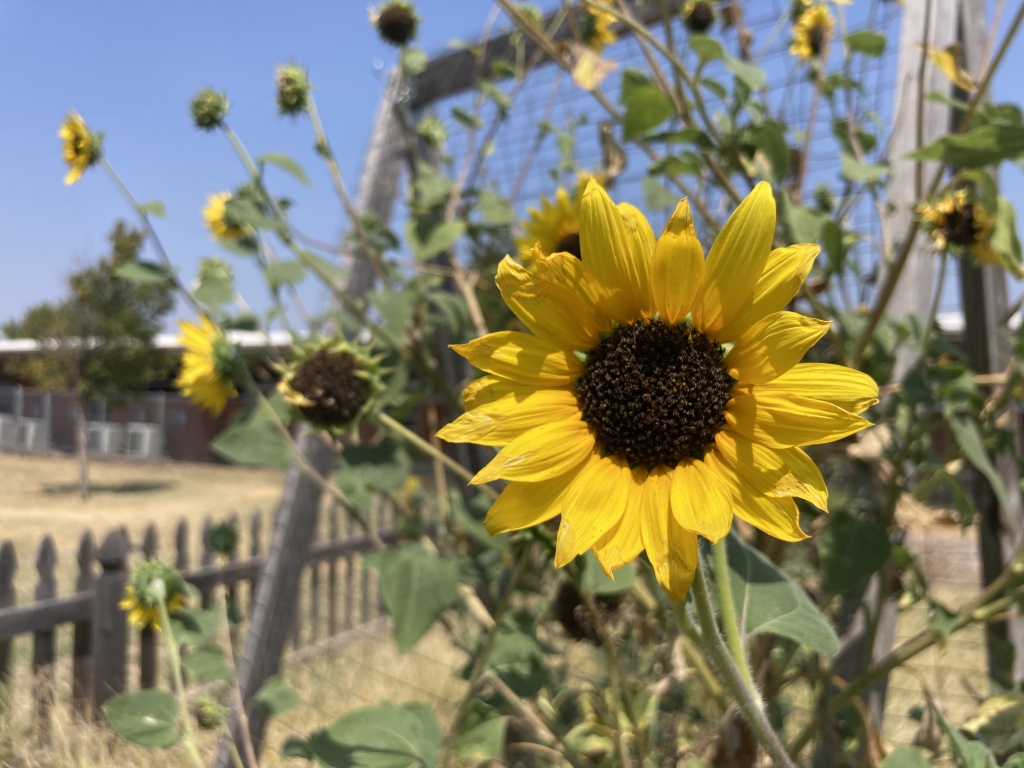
x: 431, y: 450
x: 747, y: 698
x: 727, y: 610
x: 174, y: 654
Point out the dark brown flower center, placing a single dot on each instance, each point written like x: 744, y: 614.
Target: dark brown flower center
x: 960, y: 227
x: 700, y: 17
x: 329, y: 379
x: 816, y: 38
x: 655, y: 394
x: 397, y: 23
x: 570, y: 243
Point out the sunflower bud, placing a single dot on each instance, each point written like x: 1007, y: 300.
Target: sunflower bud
x: 223, y: 539
x: 209, y: 713
x: 209, y: 109
x: 534, y: 16
x: 396, y: 22
x: 293, y: 89
x: 698, y: 15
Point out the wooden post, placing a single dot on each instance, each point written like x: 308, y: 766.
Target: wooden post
x: 109, y: 628
x: 983, y: 295
x: 44, y: 642
x: 8, y: 597
x: 81, y: 665
x: 350, y: 576
x: 279, y: 586
x: 181, y: 558
x: 314, y: 589
x: 255, y: 550
x: 148, y: 658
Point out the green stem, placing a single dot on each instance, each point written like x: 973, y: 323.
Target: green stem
x: 727, y: 611
x: 933, y: 311
x: 480, y: 664
x: 431, y: 450
x: 154, y: 238
x: 747, y: 698
x: 189, y: 737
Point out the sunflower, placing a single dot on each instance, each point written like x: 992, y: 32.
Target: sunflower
x: 218, y: 220
x: 554, y: 227
x: 597, y: 30
x: 81, y: 146
x: 152, y: 583
x: 811, y: 33
x: 206, y: 365
x: 658, y: 393
x: 962, y: 225
x: 332, y: 384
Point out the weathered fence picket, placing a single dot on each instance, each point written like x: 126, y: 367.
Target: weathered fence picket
x: 102, y: 639
x: 44, y: 642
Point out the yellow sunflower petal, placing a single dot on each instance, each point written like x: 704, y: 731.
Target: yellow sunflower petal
x: 677, y: 270
x: 548, y: 309
x: 783, y: 420
x: 984, y: 251
x: 522, y: 357
x: 594, y: 506
x: 736, y: 261
x: 773, y: 471
x: 624, y: 543
x: 641, y: 239
x: 851, y: 390
x: 772, y: 346
x: 784, y: 273
x: 523, y: 505
x: 501, y: 421
x: 609, y: 255
x: 699, y: 501
x: 778, y: 517
x: 671, y: 549
x: 541, y: 454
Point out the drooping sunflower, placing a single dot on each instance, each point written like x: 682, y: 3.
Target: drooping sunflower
x: 81, y: 146
x: 597, y: 30
x: 962, y: 225
x: 332, y: 384
x: 215, y: 214
x: 206, y: 365
x: 658, y: 393
x: 553, y: 227
x: 812, y: 32
x: 154, y: 582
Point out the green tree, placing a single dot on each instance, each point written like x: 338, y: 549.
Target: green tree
x: 98, y: 339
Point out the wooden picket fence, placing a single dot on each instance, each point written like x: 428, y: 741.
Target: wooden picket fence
x: 338, y: 595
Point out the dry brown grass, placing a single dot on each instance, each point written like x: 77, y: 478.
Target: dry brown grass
x: 40, y: 497
x: 363, y: 668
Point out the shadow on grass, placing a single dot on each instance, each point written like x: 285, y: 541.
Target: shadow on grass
x: 59, y: 489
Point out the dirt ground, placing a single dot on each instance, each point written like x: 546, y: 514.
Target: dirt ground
x: 39, y: 497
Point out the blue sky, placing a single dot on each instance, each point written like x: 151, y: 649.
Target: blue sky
x: 131, y: 68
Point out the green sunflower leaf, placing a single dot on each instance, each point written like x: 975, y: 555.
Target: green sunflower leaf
x: 646, y: 106
x: 417, y: 586
x: 146, y: 717
x: 968, y: 436
x: 867, y: 42
x: 255, y: 439
x: 966, y: 753
x: 982, y: 146
x: 209, y: 663
x: 483, y: 742
x: 276, y: 697
x: 851, y: 550
x: 144, y: 272
x: 382, y: 736
x: 429, y: 235
x: 906, y: 757
x: 285, y: 163
x: 768, y: 601
x: 495, y: 210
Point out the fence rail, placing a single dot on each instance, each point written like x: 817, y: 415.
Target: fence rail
x: 338, y: 595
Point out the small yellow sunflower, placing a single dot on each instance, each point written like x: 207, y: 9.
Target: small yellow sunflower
x: 811, y: 33
x: 152, y: 583
x: 597, y: 30
x: 554, y: 227
x: 962, y: 225
x: 215, y: 214
x: 659, y: 393
x: 81, y: 146
x: 206, y: 365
